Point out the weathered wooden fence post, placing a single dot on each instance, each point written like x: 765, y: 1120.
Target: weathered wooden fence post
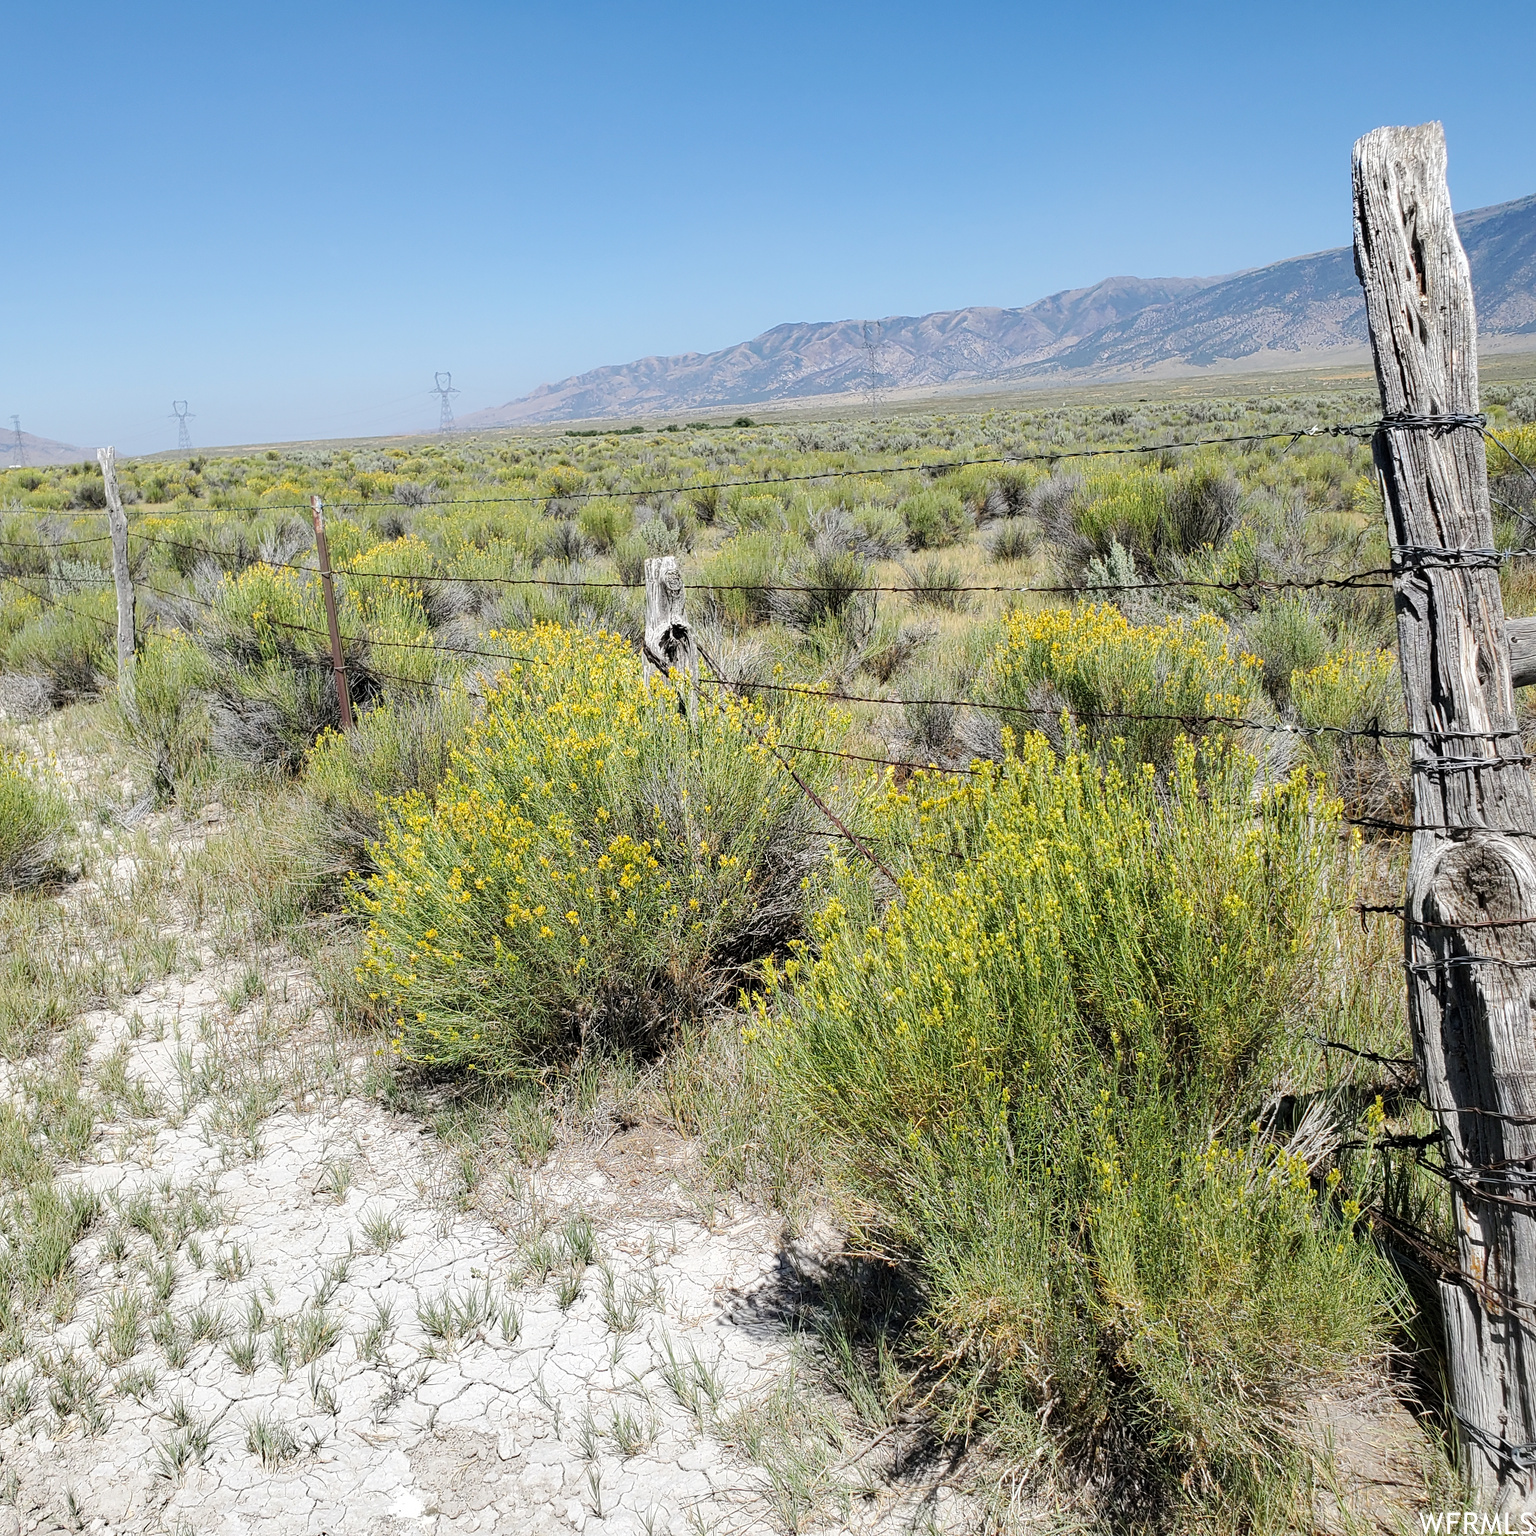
x: 1470, y: 943
x: 122, y: 579
x: 328, y: 588
x: 669, y: 638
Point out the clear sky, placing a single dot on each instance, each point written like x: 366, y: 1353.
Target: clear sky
x: 291, y: 215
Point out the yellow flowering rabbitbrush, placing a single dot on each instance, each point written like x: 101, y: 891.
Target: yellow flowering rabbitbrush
x: 1132, y: 688
x: 1353, y: 703
x: 1039, y: 1074
x: 595, y: 867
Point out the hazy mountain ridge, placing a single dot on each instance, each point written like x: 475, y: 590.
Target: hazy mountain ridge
x: 1288, y: 310
x: 1501, y: 247
x: 41, y: 451
x: 832, y: 358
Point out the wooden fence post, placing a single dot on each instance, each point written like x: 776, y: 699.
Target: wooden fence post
x: 122, y: 579
x: 328, y: 587
x: 1470, y: 913
x: 669, y: 638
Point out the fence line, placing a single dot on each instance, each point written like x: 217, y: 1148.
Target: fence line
x: 1454, y: 651
x: 1364, y: 579
x: 1359, y: 430
x: 1355, y: 580
x: 940, y: 466
x: 1405, y: 557
x: 52, y: 602
x: 100, y: 538
x: 1041, y: 711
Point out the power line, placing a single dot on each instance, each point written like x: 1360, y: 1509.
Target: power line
x: 18, y: 451
x: 442, y: 387
x: 875, y: 378
x: 183, y: 416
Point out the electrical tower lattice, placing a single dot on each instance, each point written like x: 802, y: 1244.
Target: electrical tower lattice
x: 18, y: 449
x: 183, y: 416
x: 875, y: 377
x: 444, y: 390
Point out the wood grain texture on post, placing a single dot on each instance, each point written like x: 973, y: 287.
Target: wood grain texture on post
x: 122, y: 579
x: 669, y: 639
x: 328, y: 592
x: 1470, y: 939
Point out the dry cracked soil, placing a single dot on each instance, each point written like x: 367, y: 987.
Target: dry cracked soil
x: 296, y: 1310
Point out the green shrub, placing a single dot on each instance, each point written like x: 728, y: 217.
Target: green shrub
x: 595, y: 870
x: 737, y: 579
x: 829, y: 584
x: 753, y: 507
x: 934, y: 519
x: 937, y: 584
x: 629, y: 557
x: 401, y: 747
x: 882, y: 531
x: 34, y: 819
x: 89, y: 492
x: 171, y: 678
x: 586, y: 597
x: 1130, y: 690
x: 707, y: 501
x: 18, y: 607
x: 71, y: 645
x: 605, y: 521
x: 1127, y: 507
x: 1511, y: 448
x: 1016, y: 538
x: 1356, y: 690
x: 1010, y: 491
x: 1287, y: 635
x: 272, y: 689
x: 1038, y: 1080
x: 1156, y: 515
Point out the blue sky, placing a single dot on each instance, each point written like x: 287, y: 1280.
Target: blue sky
x: 291, y: 215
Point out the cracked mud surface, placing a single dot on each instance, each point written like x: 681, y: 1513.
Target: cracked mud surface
x: 528, y: 1409
x: 290, y: 1314
x: 298, y: 1310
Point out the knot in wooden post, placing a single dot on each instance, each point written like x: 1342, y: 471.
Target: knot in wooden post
x: 1469, y: 937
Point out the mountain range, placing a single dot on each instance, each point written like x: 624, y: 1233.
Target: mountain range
x: 1291, y: 314
x: 38, y: 450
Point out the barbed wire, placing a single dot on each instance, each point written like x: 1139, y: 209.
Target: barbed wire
x: 1035, y: 711
x: 1359, y: 430
x: 1357, y: 580
x: 1501, y: 1183
x: 940, y: 466
x: 1366, y: 579
x: 53, y: 544
x: 52, y: 602
x: 1408, y: 557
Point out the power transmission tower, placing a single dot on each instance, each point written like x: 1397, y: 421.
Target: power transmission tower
x: 875, y: 380
x: 18, y: 451
x: 444, y: 390
x: 183, y: 416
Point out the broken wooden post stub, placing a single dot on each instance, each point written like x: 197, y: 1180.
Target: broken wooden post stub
x: 669, y: 640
